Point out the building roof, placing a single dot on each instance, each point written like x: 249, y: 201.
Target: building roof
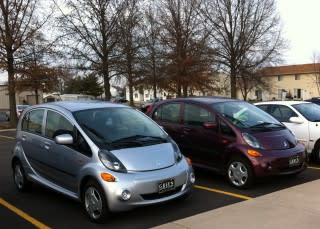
x: 291, y: 69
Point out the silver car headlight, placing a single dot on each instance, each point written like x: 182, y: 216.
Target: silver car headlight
x: 111, y: 162
x: 177, y: 153
x: 251, y: 140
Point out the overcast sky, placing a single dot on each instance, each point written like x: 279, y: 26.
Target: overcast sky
x: 301, y: 27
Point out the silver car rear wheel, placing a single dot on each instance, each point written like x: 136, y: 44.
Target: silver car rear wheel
x: 20, y: 178
x: 94, y: 202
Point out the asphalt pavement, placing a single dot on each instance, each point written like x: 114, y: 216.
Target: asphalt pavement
x: 272, y: 203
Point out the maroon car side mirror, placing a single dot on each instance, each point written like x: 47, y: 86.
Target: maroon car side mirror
x: 210, y: 125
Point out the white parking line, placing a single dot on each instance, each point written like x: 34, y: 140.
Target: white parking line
x: 7, y: 137
x: 5, y: 130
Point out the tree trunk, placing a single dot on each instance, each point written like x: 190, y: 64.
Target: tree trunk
x: 185, y: 91
x: 11, y: 88
x: 106, y: 81
x: 233, y: 83
x: 154, y: 79
x: 37, y: 95
x: 130, y: 84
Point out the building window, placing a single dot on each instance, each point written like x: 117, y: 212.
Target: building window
x: 281, y: 94
x: 136, y: 95
x: 280, y: 78
x: 146, y: 96
x: 297, y: 77
x: 297, y: 93
x: 258, y: 94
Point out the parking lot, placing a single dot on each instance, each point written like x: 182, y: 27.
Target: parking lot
x: 43, y: 208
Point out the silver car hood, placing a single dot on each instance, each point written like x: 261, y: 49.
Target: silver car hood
x: 146, y: 158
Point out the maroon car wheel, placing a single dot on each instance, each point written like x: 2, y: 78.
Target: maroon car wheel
x: 239, y: 172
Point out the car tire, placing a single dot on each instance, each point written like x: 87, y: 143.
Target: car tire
x: 19, y: 177
x: 240, y: 173
x: 315, y: 156
x: 94, y: 202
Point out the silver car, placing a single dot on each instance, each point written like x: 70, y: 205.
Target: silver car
x: 108, y: 156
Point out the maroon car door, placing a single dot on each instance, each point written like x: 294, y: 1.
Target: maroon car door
x: 201, y: 144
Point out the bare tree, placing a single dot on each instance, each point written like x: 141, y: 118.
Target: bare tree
x: 129, y: 45
x: 185, y: 43
x: 245, y: 33
x: 249, y: 80
x: 153, y: 51
x: 91, y: 34
x: 19, y: 22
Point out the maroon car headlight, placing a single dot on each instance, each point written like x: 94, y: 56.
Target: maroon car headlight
x: 251, y: 140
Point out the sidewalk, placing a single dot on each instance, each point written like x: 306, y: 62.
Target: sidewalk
x: 295, y: 208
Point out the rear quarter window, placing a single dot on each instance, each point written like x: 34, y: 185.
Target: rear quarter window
x: 168, y: 113
x: 32, y: 121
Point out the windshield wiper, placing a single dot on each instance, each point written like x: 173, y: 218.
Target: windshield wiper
x: 264, y: 124
x: 140, y: 138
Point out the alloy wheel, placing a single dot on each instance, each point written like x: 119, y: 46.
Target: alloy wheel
x: 238, y: 173
x: 18, y: 176
x: 93, y: 202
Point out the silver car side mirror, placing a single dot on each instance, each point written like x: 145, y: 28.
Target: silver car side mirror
x: 64, y: 139
x: 296, y: 120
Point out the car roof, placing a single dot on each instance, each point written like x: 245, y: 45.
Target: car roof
x: 205, y: 99
x: 287, y: 102
x: 79, y: 105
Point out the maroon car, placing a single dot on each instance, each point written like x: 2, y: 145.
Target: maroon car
x: 232, y: 137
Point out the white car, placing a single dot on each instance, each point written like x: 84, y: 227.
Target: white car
x: 302, y: 118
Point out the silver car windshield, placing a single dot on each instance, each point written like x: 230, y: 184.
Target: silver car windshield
x: 120, y: 127
x: 246, y: 115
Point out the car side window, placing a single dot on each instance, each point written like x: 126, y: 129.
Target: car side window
x: 196, y: 116
x: 56, y: 124
x: 226, y: 130
x: 32, y: 121
x: 282, y: 113
x: 168, y: 113
x: 263, y: 107
x: 157, y: 114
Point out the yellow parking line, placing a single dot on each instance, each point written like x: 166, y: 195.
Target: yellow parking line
x: 2, y: 136
x: 223, y: 192
x: 24, y: 215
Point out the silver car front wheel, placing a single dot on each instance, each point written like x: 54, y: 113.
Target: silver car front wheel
x: 94, y: 202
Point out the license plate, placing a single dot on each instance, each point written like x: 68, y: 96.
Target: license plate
x: 294, y: 161
x: 166, y: 185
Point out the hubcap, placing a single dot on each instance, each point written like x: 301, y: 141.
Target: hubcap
x: 238, y: 173
x: 18, y: 176
x: 93, y: 202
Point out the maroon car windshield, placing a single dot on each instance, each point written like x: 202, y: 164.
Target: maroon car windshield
x: 245, y: 115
